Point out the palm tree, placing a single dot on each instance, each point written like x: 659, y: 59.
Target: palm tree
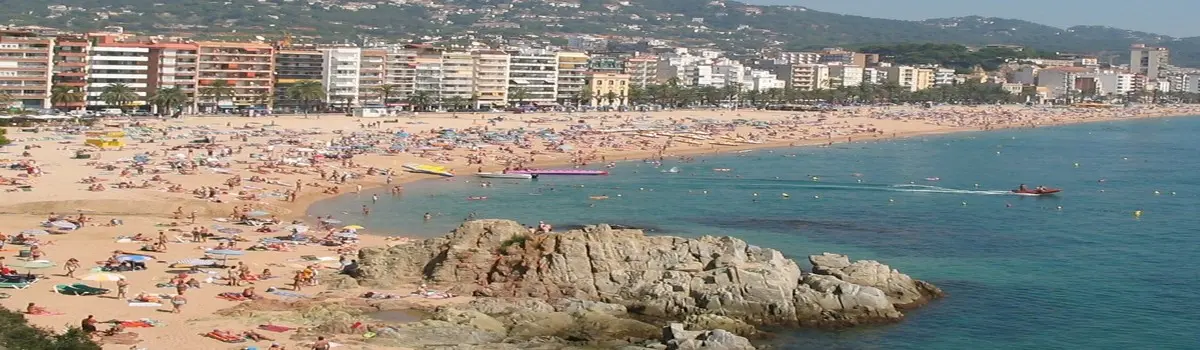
x: 610, y: 97
x: 637, y: 95
x: 167, y: 99
x: 584, y: 96
x: 419, y: 100
x: 266, y: 98
x: 218, y: 91
x: 519, y: 95
x: 62, y: 95
x: 386, y: 92
x: 119, y: 95
x: 306, y: 92
x: 6, y: 100
x: 456, y: 102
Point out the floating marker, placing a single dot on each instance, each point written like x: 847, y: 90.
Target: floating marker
x: 785, y: 195
x: 817, y: 197
x: 1156, y: 193
x: 1076, y: 165
x: 964, y: 203
x: 891, y: 200
x: 1137, y: 213
x: 1060, y: 207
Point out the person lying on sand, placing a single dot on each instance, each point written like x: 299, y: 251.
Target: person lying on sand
x: 34, y: 309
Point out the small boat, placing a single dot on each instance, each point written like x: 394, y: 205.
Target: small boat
x: 428, y: 169
x: 558, y: 172
x: 933, y: 178
x: 476, y: 198
x: 504, y: 176
x: 1037, y: 192
x: 597, y: 197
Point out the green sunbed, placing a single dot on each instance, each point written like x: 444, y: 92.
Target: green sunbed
x: 79, y: 289
x: 13, y: 285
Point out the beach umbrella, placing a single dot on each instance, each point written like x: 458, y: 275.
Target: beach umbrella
x: 258, y: 213
x: 353, y: 227
x: 33, y: 264
x: 35, y: 232
x: 103, y: 277
x: 134, y: 258
x: 65, y: 225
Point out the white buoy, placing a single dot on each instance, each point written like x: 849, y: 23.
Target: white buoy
x: 1156, y: 193
x: 891, y: 200
x: 641, y: 188
x: 964, y: 203
x: 1060, y: 207
x: 705, y: 191
x: 1076, y: 165
x: 1172, y: 193
x: 785, y: 195
x: 756, y: 194
x: 816, y: 197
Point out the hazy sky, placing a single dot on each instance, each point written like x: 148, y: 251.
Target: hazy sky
x: 1171, y: 17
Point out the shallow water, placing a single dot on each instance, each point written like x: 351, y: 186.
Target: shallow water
x: 1075, y: 270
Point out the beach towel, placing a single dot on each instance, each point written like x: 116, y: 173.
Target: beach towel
x: 228, y: 338
x: 288, y: 294
x: 144, y: 304
x: 274, y: 328
x: 137, y: 324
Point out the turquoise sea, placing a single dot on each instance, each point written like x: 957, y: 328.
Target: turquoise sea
x: 1073, y: 271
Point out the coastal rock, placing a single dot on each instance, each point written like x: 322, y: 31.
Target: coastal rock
x: 678, y: 338
x: 470, y: 318
x: 901, y: 289
x: 649, y: 276
x: 710, y: 321
x: 337, y: 281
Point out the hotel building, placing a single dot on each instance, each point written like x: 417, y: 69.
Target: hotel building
x: 25, y: 68
x: 458, y: 78
x: 291, y: 67
x: 173, y: 65
x: 71, y: 67
x: 491, y: 78
x: 642, y: 70
x: 340, y: 74
x: 111, y: 62
x: 246, y: 67
x: 804, y: 76
x: 372, y: 71
x: 572, y: 70
x: 532, y: 77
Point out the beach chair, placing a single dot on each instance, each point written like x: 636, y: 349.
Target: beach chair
x: 79, y: 289
x: 15, y: 285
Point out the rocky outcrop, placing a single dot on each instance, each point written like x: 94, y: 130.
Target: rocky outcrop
x: 651, y: 276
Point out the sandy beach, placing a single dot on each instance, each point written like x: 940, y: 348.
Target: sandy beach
x: 175, y: 177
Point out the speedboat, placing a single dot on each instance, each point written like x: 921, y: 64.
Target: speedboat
x: 505, y: 176
x: 1044, y: 191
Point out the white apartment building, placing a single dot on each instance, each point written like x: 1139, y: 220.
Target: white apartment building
x: 912, y: 78
x: 401, y: 70
x: 1126, y: 83
x: 729, y: 73
x: 458, y: 77
x: 761, y: 80
x: 491, y: 78
x: 786, y: 58
x: 372, y: 73
x: 679, y: 67
x: 804, y: 76
x: 110, y: 64
x: 642, y: 70
x: 943, y: 76
x: 174, y: 65
x: 845, y: 76
x: 875, y: 76
x: 532, y: 77
x: 572, y: 76
x: 1191, y: 83
x: 340, y: 75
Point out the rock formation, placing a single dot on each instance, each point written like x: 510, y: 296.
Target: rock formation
x: 652, y: 276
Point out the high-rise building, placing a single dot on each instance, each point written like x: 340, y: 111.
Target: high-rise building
x: 293, y: 66
x: 173, y: 65
x: 788, y: 58
x: 491, y: 78
x: 247, y: 70
x: 458, y: 78
x: 71, y: 68
x: 943, y: 76
x: 372, y: 72
x: 1148, y: 60
x: 26, y: 68
x: 112, y: 63
x: 572, y: 76
x: 428, y: 73
x: 804, y: 76
x: 608, y: 89
x: 642, y: 70
x: 532, y: 77
x: 911, y: 78
x: 845, y: 76
x: 608, y: 62
x: 340, y: 74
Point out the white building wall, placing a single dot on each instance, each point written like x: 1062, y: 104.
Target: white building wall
x: 341, y: 73
x: 117, y: 65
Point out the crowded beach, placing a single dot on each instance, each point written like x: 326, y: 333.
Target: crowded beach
x: 139, y: 231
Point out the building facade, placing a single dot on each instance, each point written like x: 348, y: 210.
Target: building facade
x: 642, y: 70
x: 804, y: 76
x: 491, y: 78
x: 116, y: 63
x: 572, y: 69
x: 608, y: 89
x: 26, y: 61
x: 532, y: 77
x: 1148, y: 61
x: 458, y: 79
x: 293, y: 66
x: 173, y: 65
x: 372, y: 72
x: 246, y: 70
x: 71, y: 69
x: 340, y: 75
x: 845, y: 76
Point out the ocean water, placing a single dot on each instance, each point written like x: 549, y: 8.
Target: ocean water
x: 1073, y: 271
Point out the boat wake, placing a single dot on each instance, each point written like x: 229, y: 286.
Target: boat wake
x: 913, y: 188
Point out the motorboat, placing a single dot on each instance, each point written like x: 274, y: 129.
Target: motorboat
x: 505, y: 176
x: 1044, y: 191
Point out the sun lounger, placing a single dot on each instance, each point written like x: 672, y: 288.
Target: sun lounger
x: 79, y: 289
x: 18, y: 285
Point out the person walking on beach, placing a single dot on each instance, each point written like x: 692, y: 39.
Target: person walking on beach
x: 177, y: 302
x: 321, y: 344
x: 122, y: 288
x: 71, y: 266
x: 298, y: 281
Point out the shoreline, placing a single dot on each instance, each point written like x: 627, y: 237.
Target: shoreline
x: 146, y: 211
x: 715, y: 151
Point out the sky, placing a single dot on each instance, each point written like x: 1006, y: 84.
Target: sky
x: 1171, y: 17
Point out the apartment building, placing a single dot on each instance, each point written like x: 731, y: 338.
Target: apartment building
x: 728, y: 72
x: 761, y: 80
x: 607, y: 62
x: 804, y: 76
x: 372, y: 72
x: 791, y: 58
x: 1060, y: 81
x: 642, y: 70
x: 458, y: 78
x: 110, y: 63
x: 340, y: 75
x: 572, y: 76
x: 1148, y: 61
x: 247, y: 68
x: 1191, y: 83
x: 173, y: 65
x: 848, y: 58
x: 912, y: 78
x: 26, y: 68
x: 532, y: 77
x: 428, y: 72
x: 491, y: 78
x: 293, y: 66
x: 71, y: 68
x: 608, y: 89
x: 943, y: 76
x: 845, y: 76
